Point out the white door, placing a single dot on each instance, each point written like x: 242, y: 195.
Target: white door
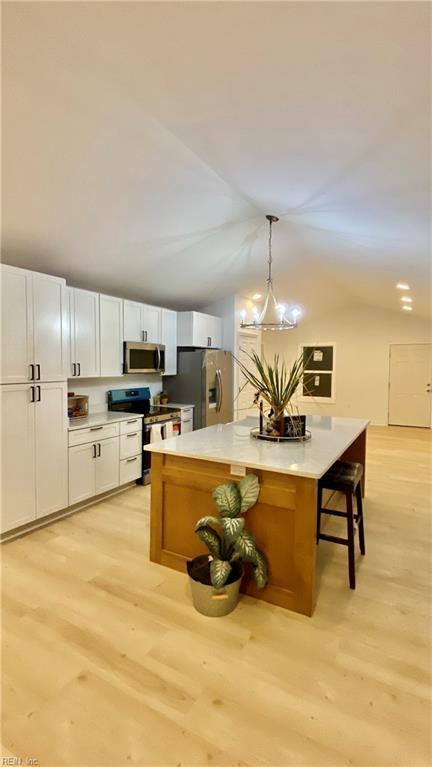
x: 111, y: 335
x: 107, y: 465
x: 16, y: 325
x: 133, y: 321
x: 50, y: 327
x: 152, y: 324
x: 82, y: 472
x: 18, y: 498
x: 200, y: 330
x: 169, y: 339
x: 248, y: 342
x: 85, y: 352
x: 51, y: 448
x: 410, y: 385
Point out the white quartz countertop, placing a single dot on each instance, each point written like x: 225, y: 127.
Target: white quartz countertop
x: 99, y: 419
x: 231, y: 443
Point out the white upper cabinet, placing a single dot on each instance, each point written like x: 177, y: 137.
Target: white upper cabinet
x: 111, y: 335
x: 50, y: 328
x: 142, y: 322
x: 133, y: 321
x: 34, y: 326
x: 199, y: 330
x: 152, y: 324
x: 84, y: 333
x: 169, y: 340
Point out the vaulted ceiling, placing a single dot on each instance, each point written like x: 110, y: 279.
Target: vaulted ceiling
x: 143, y: 144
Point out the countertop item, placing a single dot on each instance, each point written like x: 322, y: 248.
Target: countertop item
x: 180, y: 406
x: 232, y: 443
x: 99, y: 419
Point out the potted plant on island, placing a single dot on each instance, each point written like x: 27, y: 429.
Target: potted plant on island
x: 215, y: 577
x: 276, y: 384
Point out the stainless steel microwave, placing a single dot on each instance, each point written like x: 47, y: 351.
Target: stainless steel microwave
x: 143, y: 358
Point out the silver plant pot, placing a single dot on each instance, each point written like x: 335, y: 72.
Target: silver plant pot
x: 213, y: 602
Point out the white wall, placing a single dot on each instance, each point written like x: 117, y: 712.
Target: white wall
x: 362, y: 336
x: 97, y: 388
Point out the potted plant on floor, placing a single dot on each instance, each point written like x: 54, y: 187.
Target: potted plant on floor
x: 275, y: 384
x: 215, y: 577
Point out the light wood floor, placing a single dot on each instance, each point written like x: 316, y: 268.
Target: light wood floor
x: 106, y: 663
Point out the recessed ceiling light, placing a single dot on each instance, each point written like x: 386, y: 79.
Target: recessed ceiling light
x: 407, y: 308
x: 403, y: 286
x: 406, y: 299
x: 256, y: 296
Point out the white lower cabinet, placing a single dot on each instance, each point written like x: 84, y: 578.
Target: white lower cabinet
x: 130, y: 469
x: 107, y: 465
x: 82, y: 474
x: 51, y: 448
x: 34, y: 452
x: 186, y: 420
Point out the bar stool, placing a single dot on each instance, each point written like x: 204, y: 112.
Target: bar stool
x: 344, y: 477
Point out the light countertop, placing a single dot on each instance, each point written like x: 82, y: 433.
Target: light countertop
x: 99, y: 419
x: 231, y: 443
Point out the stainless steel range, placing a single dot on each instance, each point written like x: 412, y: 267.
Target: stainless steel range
x: 138, y: 401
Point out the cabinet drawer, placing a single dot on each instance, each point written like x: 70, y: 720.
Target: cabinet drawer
x: 186, y: 414
x: 131, y: 426
x: 130, y: 469
x: 130, y: 444
x: 93, y: 434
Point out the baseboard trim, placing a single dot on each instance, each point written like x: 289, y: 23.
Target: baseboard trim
x: 30, y: 527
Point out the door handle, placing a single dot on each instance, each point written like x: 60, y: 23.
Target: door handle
x: 73, y: 369
x: 208, y: 341
x: 38, y: 391
x: 79, y: 368
x: 132, y: 435
x: 158, y: 364
x: 144, y: 335
x: 219, y: 391
x: 32, y: 394
x: 94, y: 450
x: 32, y: 372
x: 133, y: 421
x: 96, y: 428
x: 38, y: 371
x: 129, y: 460
x: 99, y: 450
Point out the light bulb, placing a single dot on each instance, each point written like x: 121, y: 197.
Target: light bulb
x: 403, y: 286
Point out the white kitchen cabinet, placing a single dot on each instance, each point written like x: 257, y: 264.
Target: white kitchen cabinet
x: 34, y: 320
x: 82, y: 474
x: 130, y: 469
x: 34, y: 452
x: 18, y: 496
x: 169, y: 340
x: 111, y: 335
x: 130, y: 444
x: 133, y: 320
x: 84, y: 333
x: 152, y: 324
x: 50, y: 328
x: 142, y: 322
x: 107, y: 465
x: 199, y: 330
x: 186, y: 420
x: 50, y: 409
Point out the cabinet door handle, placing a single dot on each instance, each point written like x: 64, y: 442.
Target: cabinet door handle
x: 38, y: 391
x: 79, y: 368
x: 132, y: 435
x: 94, y: 451
x: 37, y: 366
x: 73, y: 369
x: 96, y: 428
x: 134, y: 421
x: 32, y: 393
x: 144, y: 335
x: 129, y: 460
x: 99, y: 449
x: 32, y: 372
x: 208, y: 341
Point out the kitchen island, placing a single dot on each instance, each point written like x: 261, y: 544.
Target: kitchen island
x: 185, y: 470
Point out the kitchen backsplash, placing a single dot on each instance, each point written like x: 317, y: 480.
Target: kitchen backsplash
x: 97, y: 388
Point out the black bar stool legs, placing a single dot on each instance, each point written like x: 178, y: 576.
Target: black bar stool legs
x: 344, y: 477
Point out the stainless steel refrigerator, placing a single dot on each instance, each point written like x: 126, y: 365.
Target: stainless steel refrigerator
x: 204, y: 379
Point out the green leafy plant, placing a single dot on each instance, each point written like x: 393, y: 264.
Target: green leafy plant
x: 233, y: 543
x: 274, y: 383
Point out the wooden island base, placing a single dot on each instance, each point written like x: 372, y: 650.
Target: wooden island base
x: 283, y: 522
